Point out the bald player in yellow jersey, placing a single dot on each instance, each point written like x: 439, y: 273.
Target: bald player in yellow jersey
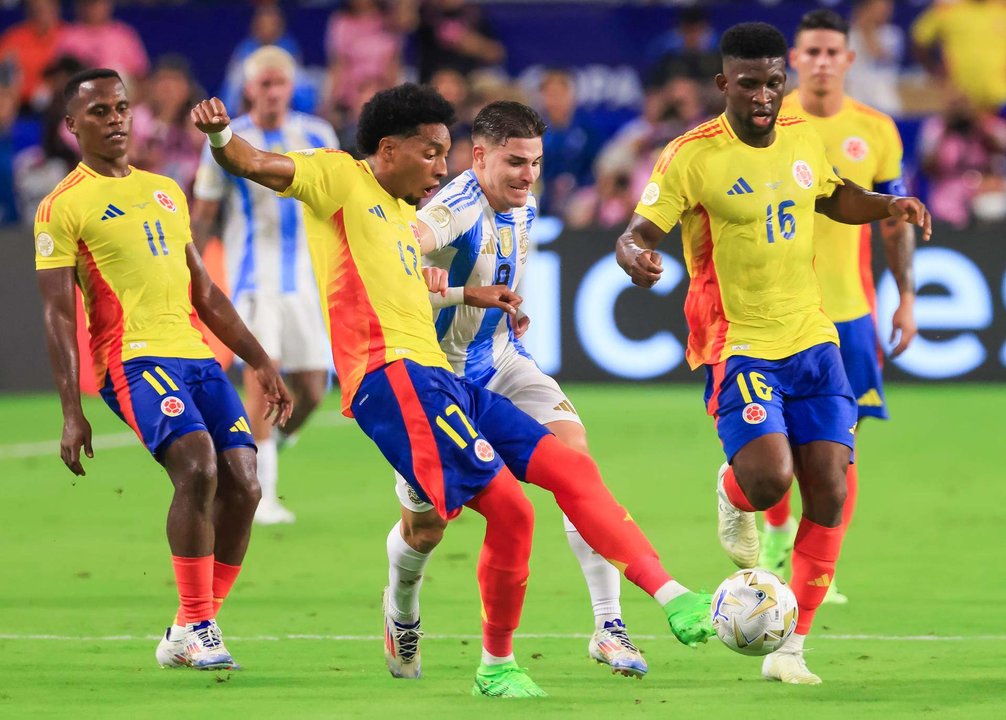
x: 745, y: 187
x: 122, y: 235
x: 863, y: 145
x: 456, y: 444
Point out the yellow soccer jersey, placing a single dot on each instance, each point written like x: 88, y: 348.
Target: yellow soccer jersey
x: 747, y: 223
x: 863, y: 145
x: 126, y: 238
x: 364, y: 245
x: 973, y: 39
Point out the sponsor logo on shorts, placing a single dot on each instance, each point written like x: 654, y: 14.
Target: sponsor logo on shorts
x: 44, y: 244
x: 165, y: 201
x: 172, y: 406
x: 484, y: 451
x: 413, y: 495
x: 803, y: 175
x: 754, y: 414
x: 565, y: 406
x: 871, y: 398
x: 651, y: 193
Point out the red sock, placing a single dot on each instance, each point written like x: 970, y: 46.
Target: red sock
x: 194, y: 578
x: 778, y: 514
x: 223, y: 580
x: 606, y: 526
x: 852, y: 483
x: 503, y: 563
x: 734, y: 493
x: 814, y: 555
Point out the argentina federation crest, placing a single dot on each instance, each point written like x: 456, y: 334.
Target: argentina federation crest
x: 506, y: 241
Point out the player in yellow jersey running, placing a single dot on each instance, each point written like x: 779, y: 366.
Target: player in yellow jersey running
x: 122, y: 235
x: 863, y: 145
x: 456, y: 444
x: 745, y: 187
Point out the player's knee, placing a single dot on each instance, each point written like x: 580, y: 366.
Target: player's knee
x: 766, y: 487
x: 311, y: 397
x: 521, y: 514
x: 197, y: 480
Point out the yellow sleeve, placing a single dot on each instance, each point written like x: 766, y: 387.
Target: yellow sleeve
x: 323, y: 179
x: 926, y: 28
x: 56, y: 235
x: 824, y: 171
x: 892, y: 153
x: 663, y: 199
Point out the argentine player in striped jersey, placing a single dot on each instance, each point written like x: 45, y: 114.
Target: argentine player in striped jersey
x: 479, y: 225
x: 268, y: 265
x: 746, y: 187
x: 864, y: 146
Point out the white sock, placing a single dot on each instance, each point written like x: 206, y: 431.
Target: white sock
x: 405, y: 576
x: 490, y: 659
x: 668, y: 591
x: 603, y: 578
x: 794, y: 644
x: 268, y: 469
x: 177, y: 632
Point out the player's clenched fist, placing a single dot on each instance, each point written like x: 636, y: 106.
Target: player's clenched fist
x: 210, y: 116
x: 645, y: 268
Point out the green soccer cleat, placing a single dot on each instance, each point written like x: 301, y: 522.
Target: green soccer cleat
x: 834, y: 596
x: 777, y: 549
x: 506, y: 680
x: 690, y: 619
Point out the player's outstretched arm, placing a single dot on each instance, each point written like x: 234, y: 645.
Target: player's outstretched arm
x: 222, y: 319
x: 853, y: 205
x: 635, y: 251
x: 59, y: 311
x: 236, y: 155
x: 899, y: 250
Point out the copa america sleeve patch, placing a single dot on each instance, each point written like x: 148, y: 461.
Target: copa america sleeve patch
x: 651, y: 193
x: 44, y: 244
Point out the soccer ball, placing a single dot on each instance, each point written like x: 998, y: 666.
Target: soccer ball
x: 754, y: 612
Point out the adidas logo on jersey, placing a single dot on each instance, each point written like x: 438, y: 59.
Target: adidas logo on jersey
x: 740, y: 187
x: 871, y: 398
x: 112, y: 212
x: 379, y: 212
x: 241, y: 426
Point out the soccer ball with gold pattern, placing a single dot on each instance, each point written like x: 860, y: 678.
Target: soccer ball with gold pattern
x: 754, y: 612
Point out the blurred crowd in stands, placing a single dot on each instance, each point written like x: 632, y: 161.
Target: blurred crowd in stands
x: 945, y: 72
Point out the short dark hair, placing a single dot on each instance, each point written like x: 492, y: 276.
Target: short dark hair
x: 74, y: 83
x: 823, y: 20
x: 504, y: 119
x: 400, y: 111
x: 753, y: 41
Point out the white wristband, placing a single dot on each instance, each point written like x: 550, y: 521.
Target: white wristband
x: 455, y: 296
x: 219, y: 139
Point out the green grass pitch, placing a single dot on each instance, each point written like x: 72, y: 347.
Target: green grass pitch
x: 84, y: 561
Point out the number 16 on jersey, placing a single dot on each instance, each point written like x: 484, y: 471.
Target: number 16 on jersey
x: 787, y: 223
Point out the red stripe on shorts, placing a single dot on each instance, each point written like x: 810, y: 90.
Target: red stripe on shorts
x: 426, y: 465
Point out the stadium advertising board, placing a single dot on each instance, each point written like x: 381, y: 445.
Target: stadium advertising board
x: 589, y: 323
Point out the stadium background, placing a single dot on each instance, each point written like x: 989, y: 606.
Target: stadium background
x: 84, y: 582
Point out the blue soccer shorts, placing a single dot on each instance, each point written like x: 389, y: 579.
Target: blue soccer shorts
x: 806, y: 397
x: 863, y: 362
x: 444, y: 434
x: 163, y: 398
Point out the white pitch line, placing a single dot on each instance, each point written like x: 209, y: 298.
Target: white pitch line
x: 524, y: 636
x: 115, y: 441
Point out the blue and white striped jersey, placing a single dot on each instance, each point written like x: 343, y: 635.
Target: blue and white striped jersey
x: 263, y: 236
x: 477, y: 246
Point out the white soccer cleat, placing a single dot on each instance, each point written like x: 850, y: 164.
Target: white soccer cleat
x: 788, y: 667
x: 737, y: 530
x: 205, y: 647
x: 401, y: 644
x: 611, y: 646
x: 271, y: 512
x: 171, y: 649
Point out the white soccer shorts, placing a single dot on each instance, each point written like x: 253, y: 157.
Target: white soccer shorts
x: 290, y: 328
